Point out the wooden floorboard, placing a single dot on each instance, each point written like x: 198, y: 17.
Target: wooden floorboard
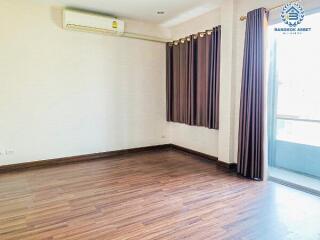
x: 162, y: 194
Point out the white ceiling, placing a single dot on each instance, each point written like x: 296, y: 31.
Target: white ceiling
x: 176, y: 11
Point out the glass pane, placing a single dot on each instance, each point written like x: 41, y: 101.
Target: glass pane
x: 298, y: 132
x: 299, y: 71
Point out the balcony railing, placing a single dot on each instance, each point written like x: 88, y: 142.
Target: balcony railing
x: 295, y: 118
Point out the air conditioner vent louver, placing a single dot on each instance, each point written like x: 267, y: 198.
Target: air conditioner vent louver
x: 83, y: 21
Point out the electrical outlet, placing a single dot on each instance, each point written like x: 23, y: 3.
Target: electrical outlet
x: 9, y: 152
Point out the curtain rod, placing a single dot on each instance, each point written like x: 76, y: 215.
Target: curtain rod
x: 201, y: 34
x: 195, y: 36
x: 243, y: 18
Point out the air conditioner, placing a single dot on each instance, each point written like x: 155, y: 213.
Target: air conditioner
x: 86, y: 21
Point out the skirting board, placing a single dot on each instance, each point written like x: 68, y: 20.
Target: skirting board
x: 231, y: 166
x: 80, y: 158
x: 104, y: 155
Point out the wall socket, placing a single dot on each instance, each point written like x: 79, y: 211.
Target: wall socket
x: 6, y: 152
x: 9, y: 152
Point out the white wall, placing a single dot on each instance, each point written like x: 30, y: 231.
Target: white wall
x: 225, y: 153
x: 199, y: 24
x: 65, y: 93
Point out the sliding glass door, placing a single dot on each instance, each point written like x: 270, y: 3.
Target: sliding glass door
x: 294, y: 99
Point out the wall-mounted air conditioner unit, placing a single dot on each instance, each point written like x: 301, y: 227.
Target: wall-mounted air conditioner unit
x: 86, y: 21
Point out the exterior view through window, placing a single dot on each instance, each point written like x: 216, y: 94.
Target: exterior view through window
x: 294, y: 99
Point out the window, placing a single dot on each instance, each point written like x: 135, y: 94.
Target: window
x: 298, y: 84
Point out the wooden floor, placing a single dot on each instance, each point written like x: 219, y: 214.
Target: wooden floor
x: 151, y: 195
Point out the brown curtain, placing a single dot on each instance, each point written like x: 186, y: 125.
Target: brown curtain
x: 251, y: 122
x: 192, y: 80
x: 193, y: 75
x: 169, y: 84
x: 202, y: 80
x: 176, y: 83
x: 214, y: 79
x: 183, y: 68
